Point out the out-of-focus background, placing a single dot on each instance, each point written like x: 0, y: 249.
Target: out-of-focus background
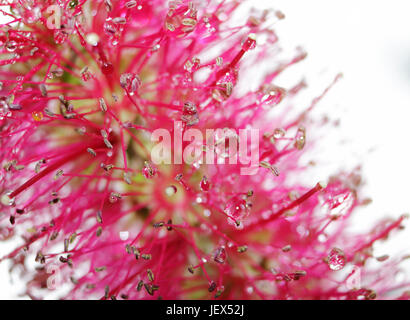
x: 369, y: 42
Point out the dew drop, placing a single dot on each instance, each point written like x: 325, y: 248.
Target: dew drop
x: 107, y: 68
x: 205, y: 185
x: 225, y: 85
x: 207, y: 213
x: 249, y: 43
x: 170, y: 190
x: 92, y: 38
x: 271, y: 95
x: 190, y: 114
x: 226, y: 143
x: 11, y: 46
x: 73, y: 3
x: 155, y: 48
x: 336, y: 259
x: 300, y: 138
x: 237, y: 209
x: 124, y: 235
x: 127, y: 177
x: 6, y: 200
x: 279, y: 133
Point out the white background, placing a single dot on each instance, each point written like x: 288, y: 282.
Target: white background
x: 369, y: 41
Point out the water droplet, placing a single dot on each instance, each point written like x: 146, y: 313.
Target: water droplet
x: 180, y: 20
x: 237, y: 209
x: 336, y: 259
x: 249, y: 43
x: 107, y: 68
x: 92, y: 38
x: 225, y: 85
x: 6, y: 200
x: 130, y: 82
x: 127, y: 177
x: 220, y: 255
x: 190, y: 114
x: 149, y: 171
x: 322, y: 238
x: 279, y: 133
x: 11, y: 46
x: 300, y: 138
x: 124, y: 235
x: 205, y: 185
x: 155, y: 48
x: 226, y: 143
x: 170, y: 191
x: 271, y: 95
x: 73, y: 3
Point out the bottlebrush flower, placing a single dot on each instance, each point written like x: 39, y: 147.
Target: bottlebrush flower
x: 85, y: 83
